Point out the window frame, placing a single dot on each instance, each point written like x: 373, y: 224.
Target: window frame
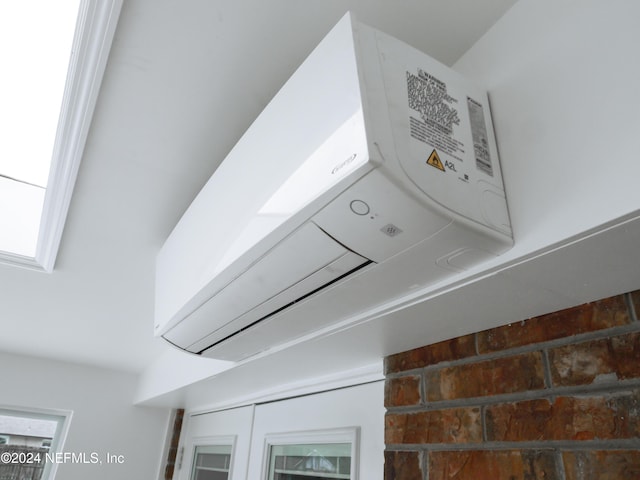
x: 349, y: 435
x: 63, y: 419
x: 212, y: 440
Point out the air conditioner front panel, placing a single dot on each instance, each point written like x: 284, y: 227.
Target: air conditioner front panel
x: 342, y: 267
x: 301, y: 256
x: 307, y: 145
x: 376, y: 218
x: 368, y: 290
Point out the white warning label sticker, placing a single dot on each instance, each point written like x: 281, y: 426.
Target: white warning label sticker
x: 437, y: 113
x: 479, y: 136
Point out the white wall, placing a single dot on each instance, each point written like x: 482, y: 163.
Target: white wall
x: 104, y: 419
x: 164, y: 378
x: 563, y: 82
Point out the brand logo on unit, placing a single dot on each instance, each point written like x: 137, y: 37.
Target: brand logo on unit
x: 340, y: 166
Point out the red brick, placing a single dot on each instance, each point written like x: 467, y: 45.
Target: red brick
x: 168, y: 472
x: 614, y: 358
x: 453, y: 425
x: 635, y: 302
x: 568, y: 418
x: 177, y: 427
x: 607, y: 313
x: 608, y: 464
x: 493, y: 465
x: 402, y: 466
x: 448, y: 350
x: 490, y: 377
x: 402, y: 391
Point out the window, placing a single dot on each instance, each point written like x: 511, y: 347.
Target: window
x: 313, y: 455
x: 212, y: 458
x: 307, y: 462
x: 24, y: 434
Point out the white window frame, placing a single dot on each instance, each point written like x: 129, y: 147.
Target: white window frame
x: 335, y: 435
x: 215, y: 440
x: 63, y: 417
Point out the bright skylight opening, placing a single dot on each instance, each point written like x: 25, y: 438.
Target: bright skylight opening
x: 36, y: 37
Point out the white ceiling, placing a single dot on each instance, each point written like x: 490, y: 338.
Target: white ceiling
x: 183, y: 82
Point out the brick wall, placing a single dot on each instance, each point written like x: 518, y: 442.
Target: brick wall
x: 173, y: 446
x: 553, y: 397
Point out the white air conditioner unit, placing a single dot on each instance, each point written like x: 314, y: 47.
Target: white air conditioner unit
x: 372, y: 172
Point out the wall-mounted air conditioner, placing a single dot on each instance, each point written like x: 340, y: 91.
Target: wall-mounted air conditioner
x: 373, y: 171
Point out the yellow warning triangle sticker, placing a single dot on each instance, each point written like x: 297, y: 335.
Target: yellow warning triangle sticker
x: 434, y: 161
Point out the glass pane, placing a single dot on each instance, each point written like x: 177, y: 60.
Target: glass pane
x: 211, y: 462
x: 309, y: 462
x: 211, y: 475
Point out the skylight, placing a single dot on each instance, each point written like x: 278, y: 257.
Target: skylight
x: 53, y: 57
x: 35, y: 47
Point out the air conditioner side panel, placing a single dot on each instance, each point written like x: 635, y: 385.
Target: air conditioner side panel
x: 443, y: 140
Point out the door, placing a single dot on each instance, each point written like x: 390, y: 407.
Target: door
x: 215, y: 446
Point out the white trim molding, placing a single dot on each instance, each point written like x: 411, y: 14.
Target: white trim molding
x: 199, y: 401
